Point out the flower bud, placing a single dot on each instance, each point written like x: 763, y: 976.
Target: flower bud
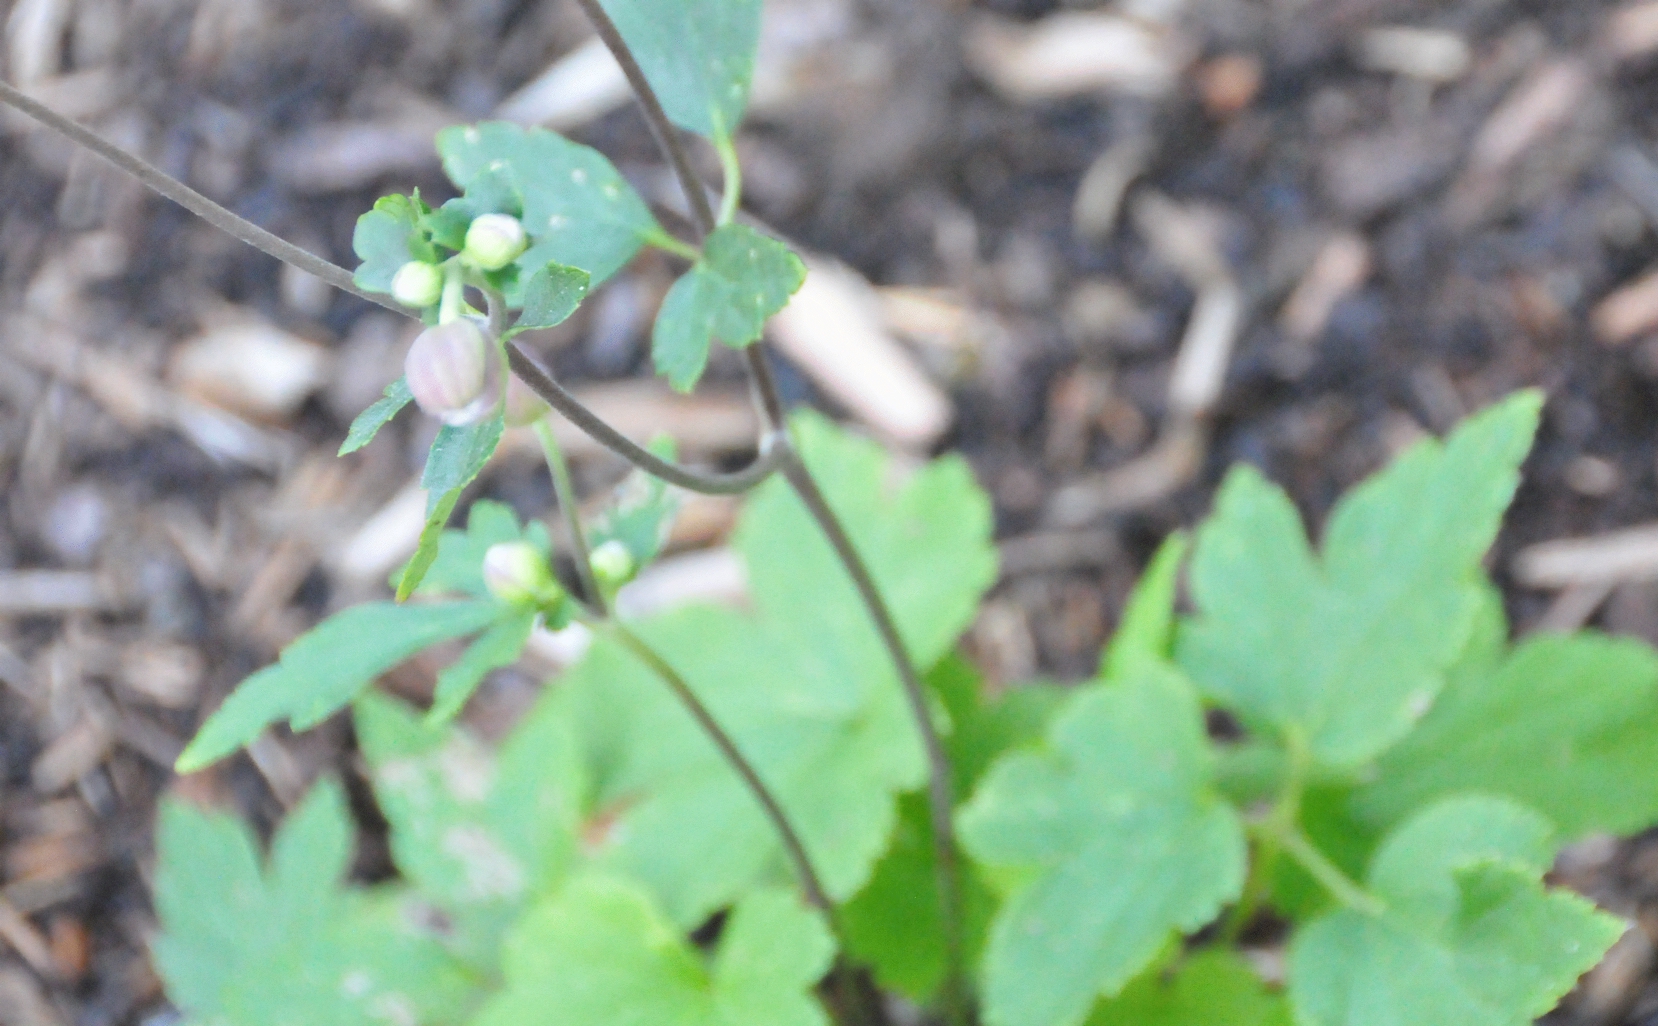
x: 516, y: 572
x: 494, y: 240
x: 612, y: 564
x: 448, y: 372
x: 524, y: 407
x: 417, y: 284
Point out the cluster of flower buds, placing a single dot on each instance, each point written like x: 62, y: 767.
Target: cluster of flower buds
x: 450, y: 368
x: 517, y: 573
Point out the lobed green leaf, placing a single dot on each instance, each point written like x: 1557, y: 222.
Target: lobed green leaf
x: 457, y: 456
x: 1351, y: 649
x: 601, y: 952
x: 379, y: 413
x: 1109, y: 840
x: 242, y: 946
x: 742, y: 279
x: 1467, y: 937
x: 1213, y: 987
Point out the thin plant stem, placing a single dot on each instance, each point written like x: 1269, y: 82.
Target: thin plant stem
x: 1328, y: 874
x: 665, y: 132
x: 731, y: 193
x: 841, y: 974
x: 213, y: 213
x: 564, y: 493
x: 941, y: 802
x: 772, y: 444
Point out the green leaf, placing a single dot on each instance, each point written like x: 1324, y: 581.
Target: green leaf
x: 1214, y: 987
x: 481, y: 833
x: 698, y: 56
x: 1147, y: 627
x: 245, y: 947
x: 326, y: 667
x: 600, y: 952
x: 459, y: 566
x: 803, y: 685
x: 893, y: 924
x: 1350, y: 650
x: 742, y: 279
x: 377, y: 416
x: 578, y: 210
x: 551, y: 294
x: 1567, y: 725
x: 497, y: 647
x: 1110, y: 840
x: 382, y: 241
x: 457, y: 456
x: 1469, y: 937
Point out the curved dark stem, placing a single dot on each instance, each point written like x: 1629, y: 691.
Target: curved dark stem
x: 772, y: 445
x: 667, y: 135
x: 941, y: 802
x: 159, y: 181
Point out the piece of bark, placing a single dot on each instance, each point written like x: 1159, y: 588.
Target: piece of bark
x: 833, y: 330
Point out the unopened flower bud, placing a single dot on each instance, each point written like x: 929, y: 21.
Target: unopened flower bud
x: 417, y: 284
x: 448, y: 372
x: 517, y: 572
x: 524, y: 407
x: 495, y: 240
x: 612, y: 564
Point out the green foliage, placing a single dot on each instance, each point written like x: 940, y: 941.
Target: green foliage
x: 1467, y: 934
x: 385, y: 239
x: 641, y: 513
x: 1107, y: 840
x: 803, y: 685
x: 478, y: 833
x: 1146, y: 631
x: 286, y: 945
x: 600, y: 952
x: 742, y: 279
x: 377, y: 416
x: 578, y: 210
x: 1351, y: 649
x: 698, y: 55
x: 457, y: 456
x: 893, y: 924
x: 551, y: 294
x: 1211, y: 988
x: 327, y: 667
x: 1568, y: 725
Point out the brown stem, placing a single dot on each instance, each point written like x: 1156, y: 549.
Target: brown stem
x: 772, y: 445
x: 941, y: 802
x: 159, y: 181
x: 666, y: 133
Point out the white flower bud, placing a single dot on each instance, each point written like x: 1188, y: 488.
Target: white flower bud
x: 524, y: 407
x: 448, y: 372
x: 612, y: 564
x: 417, y: 284
x: 495, y: 240
x: 516, y: 572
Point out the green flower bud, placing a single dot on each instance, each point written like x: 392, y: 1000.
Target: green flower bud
x: 612, y: 564
x: 518, y: 573
x: 524, y: 407
x: 417, y: 284
x: 448, y: 371
x: 495, y: 240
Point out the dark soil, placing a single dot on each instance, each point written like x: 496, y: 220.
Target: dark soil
x: 889, y: 151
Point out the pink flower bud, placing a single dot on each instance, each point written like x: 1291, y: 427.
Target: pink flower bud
x: 524, y: 407
x: 516, y: 572
x: 495, y: 240
x: 448, y: 372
